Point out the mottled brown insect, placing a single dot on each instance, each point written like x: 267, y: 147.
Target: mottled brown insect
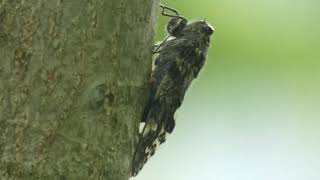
x: 180, y: 58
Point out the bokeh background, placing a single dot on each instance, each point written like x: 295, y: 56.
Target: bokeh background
x: 254, y: 111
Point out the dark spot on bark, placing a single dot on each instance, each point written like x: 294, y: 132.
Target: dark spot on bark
x: 114, y: 121
x: 3, y: 35
x: 110, y: 97
x: 21, y: 60
x: 98, y: 96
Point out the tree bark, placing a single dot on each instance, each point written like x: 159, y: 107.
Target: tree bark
x: 73, y: 84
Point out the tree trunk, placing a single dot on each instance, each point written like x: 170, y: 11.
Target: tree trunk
x: 73, y: 83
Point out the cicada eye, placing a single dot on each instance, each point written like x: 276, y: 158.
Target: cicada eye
x: 176, y: 26
x: 207, y: 30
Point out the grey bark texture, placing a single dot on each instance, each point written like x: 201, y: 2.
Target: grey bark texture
x: 73, y: 84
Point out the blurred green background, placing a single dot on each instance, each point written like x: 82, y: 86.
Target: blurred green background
x: 254, y: 111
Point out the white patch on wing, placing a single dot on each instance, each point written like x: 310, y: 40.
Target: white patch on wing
x: 141, y: 126
x: 156, y: 143
x: 171, y: 38
x: 147, y: 151
x: 154, y: 57
x: 162, y: 130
